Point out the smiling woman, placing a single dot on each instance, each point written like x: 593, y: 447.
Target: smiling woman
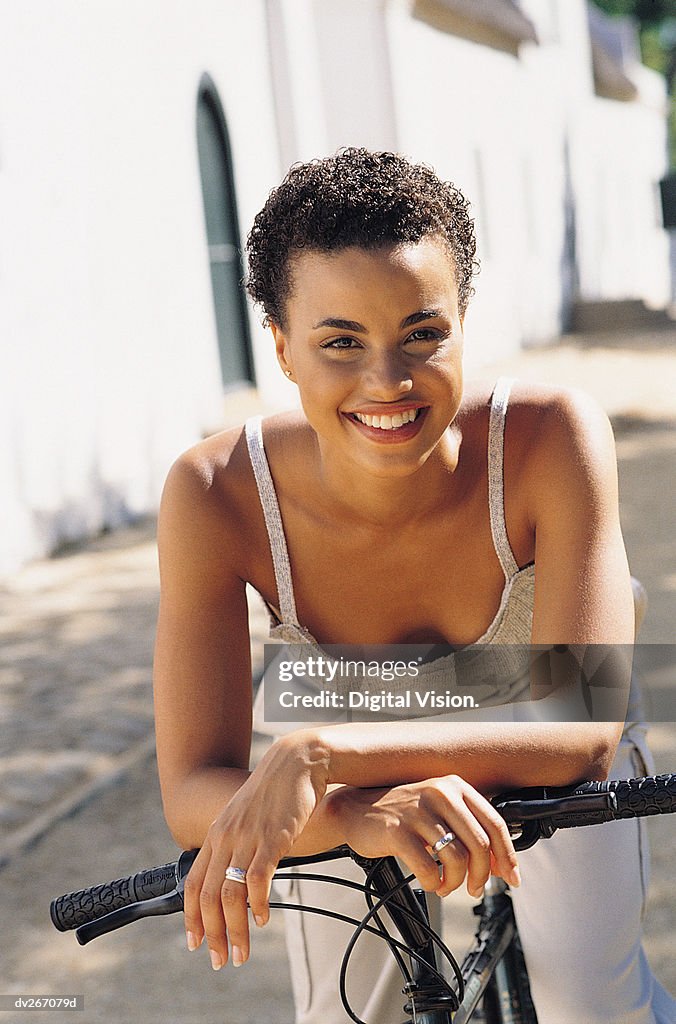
x: 398, y: 506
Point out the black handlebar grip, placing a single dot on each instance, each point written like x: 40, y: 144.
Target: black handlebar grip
x: 637, y: 798
x: 626, y: 798
x: 76, y: 908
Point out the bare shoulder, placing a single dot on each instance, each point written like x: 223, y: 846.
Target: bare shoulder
x: 559, y: 421
x: 202, y: 476
x: 199, y: 512
x: 543, y: 415
x: 218, y: 468
x: 530, y: 403
x: 564, y: 441
x: 559, y: 445
x: 210, y: 495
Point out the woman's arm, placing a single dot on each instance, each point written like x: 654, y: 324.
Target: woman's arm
x: 203, y: 698
x: 202, y: 665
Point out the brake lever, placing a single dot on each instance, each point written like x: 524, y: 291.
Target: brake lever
x: 170, y: 903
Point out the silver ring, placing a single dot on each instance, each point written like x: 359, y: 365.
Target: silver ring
x: 236, y: 875
x: 444, y: 841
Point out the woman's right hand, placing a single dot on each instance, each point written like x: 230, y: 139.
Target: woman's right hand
x: 253, y: 832
x: 407, y: 820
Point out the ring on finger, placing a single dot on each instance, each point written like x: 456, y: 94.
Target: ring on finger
x: 447, y: 838
x: 235, y: 875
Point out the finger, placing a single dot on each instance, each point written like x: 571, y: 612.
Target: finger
x: 454, y: 859
x: 476, y: 843
x: 235, y: 912
x: 439, y: 836
x: 417, y: 859
x: 504, y: 861
x: 211, y: 909
x: 192, y: 915
x: 478, y: 847
x: 259, y: 881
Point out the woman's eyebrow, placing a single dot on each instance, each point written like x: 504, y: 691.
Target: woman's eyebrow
x: 353, y: 325
x: 422, y: 314
x: 341, y: 325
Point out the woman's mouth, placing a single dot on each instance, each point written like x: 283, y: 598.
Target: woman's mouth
x: 389, y: 427
x: 388, y: 422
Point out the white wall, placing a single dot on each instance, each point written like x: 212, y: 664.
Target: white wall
x: 110, y: 363
x: 355, y: 73
x: 618, y: 155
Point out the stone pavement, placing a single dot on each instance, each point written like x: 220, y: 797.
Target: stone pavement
x: 75, y: 677
x: 76, y: 634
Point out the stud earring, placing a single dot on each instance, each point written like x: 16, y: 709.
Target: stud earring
x: 288, y: 373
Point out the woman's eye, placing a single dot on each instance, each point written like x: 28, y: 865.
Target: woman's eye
x: 424, y: 334
x: 340, y: 343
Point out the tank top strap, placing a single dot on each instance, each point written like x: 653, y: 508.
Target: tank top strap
x: 496, y: 490
x: 273, y: 519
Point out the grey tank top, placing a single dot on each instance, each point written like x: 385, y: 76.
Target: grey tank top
x: 508, y: 680
x: 511, y: 624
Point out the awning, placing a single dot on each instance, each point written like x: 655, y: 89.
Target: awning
x: 496, y: 23
x: 610, y: 80
x: 614, y: 46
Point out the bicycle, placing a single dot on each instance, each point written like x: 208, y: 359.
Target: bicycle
x: 490, y: 985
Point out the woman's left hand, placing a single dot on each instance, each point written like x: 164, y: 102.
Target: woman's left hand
x: 406, y: 821
x: 255, y: 830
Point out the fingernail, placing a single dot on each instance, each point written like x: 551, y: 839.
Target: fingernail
x: 193, y: 941
x: 515, y: 877
x: 237, y: 958
x: 477, y: 893
x: 260, y: 921
x: 216, y: 961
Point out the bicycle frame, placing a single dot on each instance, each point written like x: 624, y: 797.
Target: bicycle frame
x: 493, y: 967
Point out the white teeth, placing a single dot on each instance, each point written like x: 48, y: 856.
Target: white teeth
x: 388, y: 422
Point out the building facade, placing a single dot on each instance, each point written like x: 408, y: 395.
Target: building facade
x: 137, y: 142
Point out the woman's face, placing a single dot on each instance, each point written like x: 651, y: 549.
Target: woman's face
x: 373, y: 339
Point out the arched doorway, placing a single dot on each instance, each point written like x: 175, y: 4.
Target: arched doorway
x: 225, y: 260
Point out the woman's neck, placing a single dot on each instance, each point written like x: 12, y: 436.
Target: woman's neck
x: 389, y: 501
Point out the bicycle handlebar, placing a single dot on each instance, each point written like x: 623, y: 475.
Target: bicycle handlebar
x: 537, y: 812
x: 532, y: 814
x: 81, y: 908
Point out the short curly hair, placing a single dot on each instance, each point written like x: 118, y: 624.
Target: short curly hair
x: 355, y: 198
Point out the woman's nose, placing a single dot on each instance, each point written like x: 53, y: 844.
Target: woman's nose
x: 388, y: 377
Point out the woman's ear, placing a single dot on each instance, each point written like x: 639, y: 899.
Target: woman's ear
x: 282, y: 349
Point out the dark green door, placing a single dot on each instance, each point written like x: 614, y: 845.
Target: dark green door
x: 225, y: 258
